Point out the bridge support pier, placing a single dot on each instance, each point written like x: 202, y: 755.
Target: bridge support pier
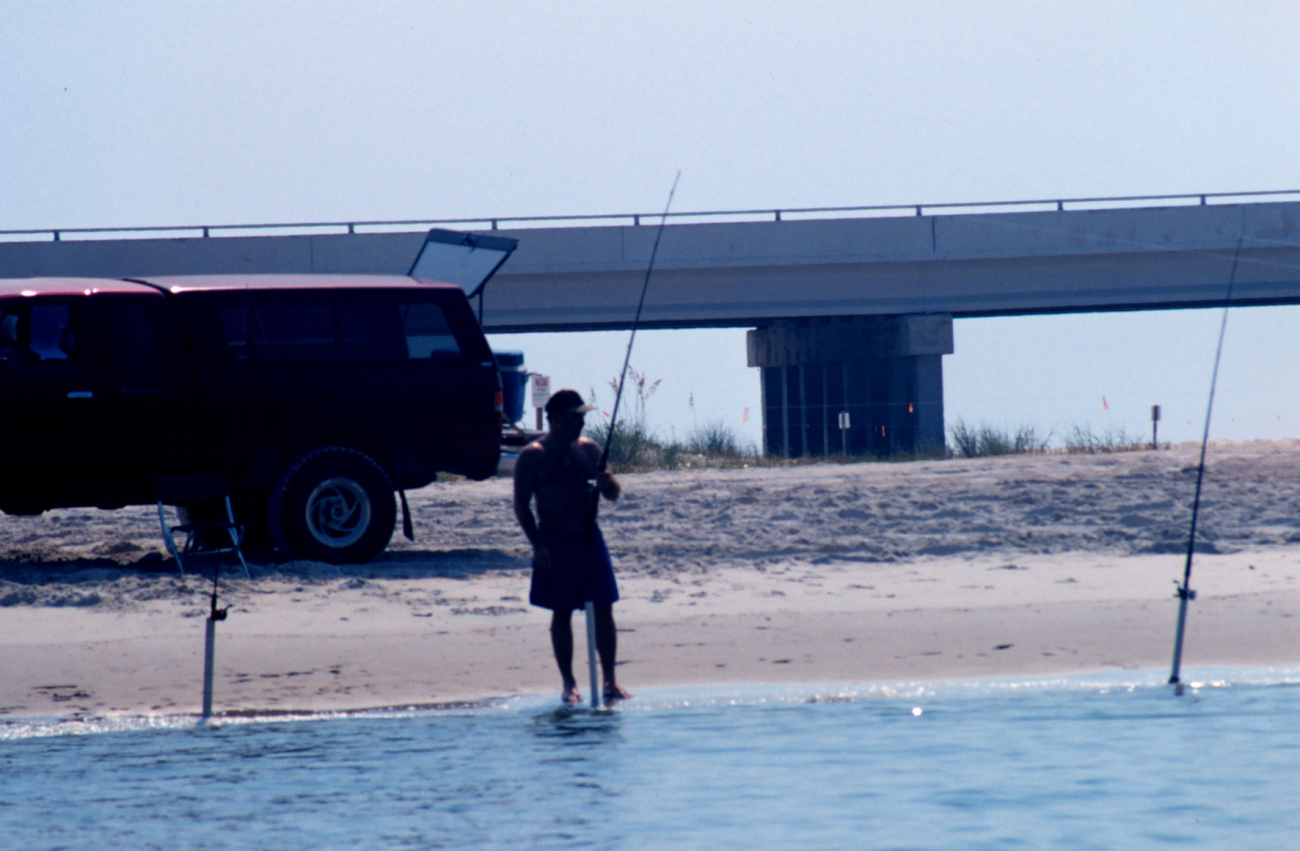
x: 886, y: 372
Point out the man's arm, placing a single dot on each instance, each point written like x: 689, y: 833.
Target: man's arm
x: 525, y: 485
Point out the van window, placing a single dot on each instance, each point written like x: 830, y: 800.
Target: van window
x: 52, y: 336
x: 133, y: 343
x: 279, y: 324
x: 427, y: 332
x: 352, y: 329
x: 354, y: 324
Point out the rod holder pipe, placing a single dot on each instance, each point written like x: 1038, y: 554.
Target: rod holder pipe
x: 591, y: 654
x: 209, y: 659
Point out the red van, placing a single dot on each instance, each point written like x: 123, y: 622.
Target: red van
x: 308, y: 399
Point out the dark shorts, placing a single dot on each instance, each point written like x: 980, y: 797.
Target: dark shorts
x: 580, y: 571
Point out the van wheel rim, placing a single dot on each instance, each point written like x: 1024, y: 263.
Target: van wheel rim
x: 338, y: 512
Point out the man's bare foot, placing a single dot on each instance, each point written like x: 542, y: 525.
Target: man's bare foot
x: 571, y: 695
x: 614, y: 691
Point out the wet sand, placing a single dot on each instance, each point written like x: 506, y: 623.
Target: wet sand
x: 1025, y: 565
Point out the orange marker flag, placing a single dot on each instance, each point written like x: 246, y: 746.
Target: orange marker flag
x: 1104, y: 406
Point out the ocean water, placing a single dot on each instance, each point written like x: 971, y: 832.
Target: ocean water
x: 1099, y: 762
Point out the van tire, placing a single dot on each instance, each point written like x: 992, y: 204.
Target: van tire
x: 334, y: 505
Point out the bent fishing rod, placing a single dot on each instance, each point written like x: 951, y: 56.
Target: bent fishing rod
x: 1185, y: 593
x: 636, y: 321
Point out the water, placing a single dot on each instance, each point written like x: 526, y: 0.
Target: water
x: 1072, y: 763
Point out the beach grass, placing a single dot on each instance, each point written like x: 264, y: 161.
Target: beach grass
x: 984, y: 440
x: 636, y: 448
x: 1082, y: 440
x: 716, y: 440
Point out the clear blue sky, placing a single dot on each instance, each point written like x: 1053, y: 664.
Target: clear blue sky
x: 120, y: 114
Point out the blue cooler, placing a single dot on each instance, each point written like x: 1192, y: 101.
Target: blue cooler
x: 514, y: 381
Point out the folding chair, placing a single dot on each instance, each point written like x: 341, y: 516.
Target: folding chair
x: 220, y: 537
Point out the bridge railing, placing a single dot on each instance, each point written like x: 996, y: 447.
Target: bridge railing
x: 636, y: 219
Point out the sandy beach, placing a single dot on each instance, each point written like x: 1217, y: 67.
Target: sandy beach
x: 819, y: 573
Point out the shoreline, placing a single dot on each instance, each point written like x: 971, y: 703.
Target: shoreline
x: 924, y: 572
x: 1058, y: 617
x: 1195, y: 677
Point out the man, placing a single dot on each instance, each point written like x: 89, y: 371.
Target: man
x: 570, y: 562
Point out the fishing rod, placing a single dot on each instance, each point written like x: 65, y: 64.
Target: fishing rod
x: 636, y: 321
x: 1185, y: 593
x: 609, y: 440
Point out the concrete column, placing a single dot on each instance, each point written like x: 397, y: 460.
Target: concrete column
x: 885, y: 371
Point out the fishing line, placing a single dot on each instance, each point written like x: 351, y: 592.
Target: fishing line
x: 1185, y: 593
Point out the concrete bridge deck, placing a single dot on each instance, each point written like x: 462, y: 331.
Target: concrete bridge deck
x: 749, y: 273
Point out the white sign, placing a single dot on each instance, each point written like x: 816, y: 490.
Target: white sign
x: 541, y: 390
x: 844, y: 419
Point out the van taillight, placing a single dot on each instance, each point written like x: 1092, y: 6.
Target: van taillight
x: 499, y: 402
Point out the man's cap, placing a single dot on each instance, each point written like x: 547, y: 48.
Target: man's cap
x: 566, y: 401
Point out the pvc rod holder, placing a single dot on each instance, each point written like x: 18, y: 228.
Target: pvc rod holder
x: 209, y: 660
x: 591, y: 654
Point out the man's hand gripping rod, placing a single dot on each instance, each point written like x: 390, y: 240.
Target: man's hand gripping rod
x: 609, y: 440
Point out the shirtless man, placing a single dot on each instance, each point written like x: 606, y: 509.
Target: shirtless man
x: 570, y: 562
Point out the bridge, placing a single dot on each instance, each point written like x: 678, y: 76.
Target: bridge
x: 851, y: 307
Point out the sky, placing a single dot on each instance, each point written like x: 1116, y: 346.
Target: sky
x: 180, y: 113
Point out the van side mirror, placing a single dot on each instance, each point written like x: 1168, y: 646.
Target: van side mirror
x: 12, y: 353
